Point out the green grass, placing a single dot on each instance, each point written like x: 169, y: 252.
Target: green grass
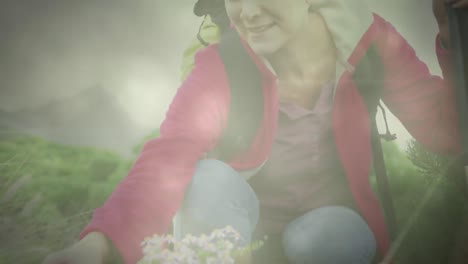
x: 48, y: 192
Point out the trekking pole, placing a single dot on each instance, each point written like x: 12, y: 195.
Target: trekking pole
x: 458, y: 21
x: 458, y: 25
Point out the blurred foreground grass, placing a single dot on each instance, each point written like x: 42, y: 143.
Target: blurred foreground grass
x: 48, y: 192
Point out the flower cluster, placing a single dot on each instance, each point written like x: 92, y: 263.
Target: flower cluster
x: 217, y: 247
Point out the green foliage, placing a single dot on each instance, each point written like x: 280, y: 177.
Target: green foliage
x: 48, y: 192
x: 428, y: 204
x: 429, y: 164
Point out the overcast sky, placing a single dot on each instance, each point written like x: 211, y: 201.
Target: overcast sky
x: 52, y: 49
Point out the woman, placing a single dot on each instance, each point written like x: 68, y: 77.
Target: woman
x: 314, y: 119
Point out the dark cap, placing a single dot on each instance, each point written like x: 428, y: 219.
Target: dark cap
x: 207, y: 7
x: 200, y: 8
x: 215, y: 9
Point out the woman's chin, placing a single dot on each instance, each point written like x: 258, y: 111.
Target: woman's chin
x: 263, y: 48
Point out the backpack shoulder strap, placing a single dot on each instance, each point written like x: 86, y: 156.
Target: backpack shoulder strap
x: 247, y: 99
x: 368, y: 77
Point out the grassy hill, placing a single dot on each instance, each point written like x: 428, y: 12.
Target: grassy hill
x: 48, y: 192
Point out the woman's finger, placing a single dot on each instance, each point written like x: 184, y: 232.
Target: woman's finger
x: 460, y: 4
x: 55, y: 258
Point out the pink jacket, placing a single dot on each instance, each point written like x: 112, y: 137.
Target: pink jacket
x: 149, y: 197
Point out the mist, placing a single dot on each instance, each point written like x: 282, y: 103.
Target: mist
x: 55, y: 51
x: 51, y: 50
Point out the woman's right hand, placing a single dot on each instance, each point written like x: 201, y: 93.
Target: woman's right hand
x: 92, y: 249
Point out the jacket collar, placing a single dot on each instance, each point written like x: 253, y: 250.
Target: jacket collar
x: 348, y: 21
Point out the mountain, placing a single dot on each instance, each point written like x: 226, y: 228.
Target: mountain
x: 91, y: 118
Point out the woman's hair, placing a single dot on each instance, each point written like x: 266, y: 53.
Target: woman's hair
x: 215, y: 9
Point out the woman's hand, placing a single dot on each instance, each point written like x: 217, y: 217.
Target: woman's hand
x: 92, y: 249
x: 440, y: 12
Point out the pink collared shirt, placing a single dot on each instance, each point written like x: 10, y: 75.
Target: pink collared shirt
x: 303, y: 171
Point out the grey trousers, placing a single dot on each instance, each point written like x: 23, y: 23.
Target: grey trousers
x: 218, y: 196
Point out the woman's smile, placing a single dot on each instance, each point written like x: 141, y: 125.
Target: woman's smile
x: 259, y: 29
x: 269, y: 25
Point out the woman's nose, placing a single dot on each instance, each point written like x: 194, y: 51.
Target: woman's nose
x: 250, y: 9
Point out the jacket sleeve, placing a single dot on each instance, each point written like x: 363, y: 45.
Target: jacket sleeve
x: 424, y: 103
x: 145, y: 202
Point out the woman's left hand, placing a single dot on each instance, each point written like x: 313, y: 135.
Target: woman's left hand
x: 440, y: 13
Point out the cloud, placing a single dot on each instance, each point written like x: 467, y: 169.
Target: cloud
x: 52, y: 50
x: 57, y: 48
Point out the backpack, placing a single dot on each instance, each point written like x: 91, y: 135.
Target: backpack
x: 246, y: 109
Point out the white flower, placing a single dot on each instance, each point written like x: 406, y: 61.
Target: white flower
x: 217, y: 247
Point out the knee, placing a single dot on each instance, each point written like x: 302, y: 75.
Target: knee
x: 329, y: 235
x: 215, y: 181
x: 215, y: 187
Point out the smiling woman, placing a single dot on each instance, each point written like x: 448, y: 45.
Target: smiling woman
x: 267, y: 35
x: 267, y: 27
x: 310, y: 158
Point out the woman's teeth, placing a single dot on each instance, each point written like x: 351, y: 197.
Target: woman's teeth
x: 260, y: 29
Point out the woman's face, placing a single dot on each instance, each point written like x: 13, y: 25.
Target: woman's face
x: 267, y: 25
